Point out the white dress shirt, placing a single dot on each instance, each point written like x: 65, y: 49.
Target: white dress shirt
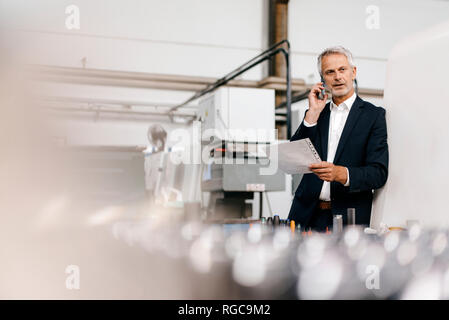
x: 337, y: 121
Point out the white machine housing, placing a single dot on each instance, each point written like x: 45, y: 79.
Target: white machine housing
x: 417, y: 104
x: 229, y: 110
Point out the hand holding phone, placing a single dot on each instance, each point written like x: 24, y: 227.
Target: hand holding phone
x: 322, y: 93
x: 316, y: 103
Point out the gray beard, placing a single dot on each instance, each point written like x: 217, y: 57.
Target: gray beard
x: 341, y: 94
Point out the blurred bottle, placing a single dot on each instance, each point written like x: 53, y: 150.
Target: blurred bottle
x: 337, y: 226
x: 351, y: 216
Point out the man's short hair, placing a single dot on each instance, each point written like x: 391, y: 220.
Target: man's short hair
x: 334, y: 50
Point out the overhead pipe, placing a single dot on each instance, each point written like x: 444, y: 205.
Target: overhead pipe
x: 267, y: 54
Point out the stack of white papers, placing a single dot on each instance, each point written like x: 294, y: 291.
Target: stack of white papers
x: 295, y: 157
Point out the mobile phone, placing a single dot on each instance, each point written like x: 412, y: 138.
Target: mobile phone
x: 323, y: 91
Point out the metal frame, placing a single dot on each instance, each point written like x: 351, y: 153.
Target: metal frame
x: 267, y: 54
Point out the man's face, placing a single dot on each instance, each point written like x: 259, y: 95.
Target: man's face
x: 338, y: 74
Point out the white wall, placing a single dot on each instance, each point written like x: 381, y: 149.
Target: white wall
x: 418, y: 132
x: 211, y: 37
x: 199, y: 38
x: 314, y: 26
x: 196, y: 37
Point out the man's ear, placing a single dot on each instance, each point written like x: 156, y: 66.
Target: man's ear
x: 354, y: 72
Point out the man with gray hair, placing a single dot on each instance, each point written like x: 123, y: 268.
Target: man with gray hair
x: 350, y: 135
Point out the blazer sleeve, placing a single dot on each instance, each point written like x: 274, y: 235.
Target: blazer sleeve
x: 375, y: 173
x: 305, y: 132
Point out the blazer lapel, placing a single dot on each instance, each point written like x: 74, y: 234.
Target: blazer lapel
x: 324, y: 131
x: 354, y: 114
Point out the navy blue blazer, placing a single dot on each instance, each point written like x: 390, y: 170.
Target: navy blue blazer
x: 362, y: 148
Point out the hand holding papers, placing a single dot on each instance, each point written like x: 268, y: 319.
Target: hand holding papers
x: 295, y: 157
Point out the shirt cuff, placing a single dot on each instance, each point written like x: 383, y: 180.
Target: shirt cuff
x: 347, y: 181
x: 308, y: 124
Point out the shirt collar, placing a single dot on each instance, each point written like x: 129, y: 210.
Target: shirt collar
x: 348, y: 102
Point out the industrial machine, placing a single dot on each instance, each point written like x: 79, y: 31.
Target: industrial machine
x: 237, y: 125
